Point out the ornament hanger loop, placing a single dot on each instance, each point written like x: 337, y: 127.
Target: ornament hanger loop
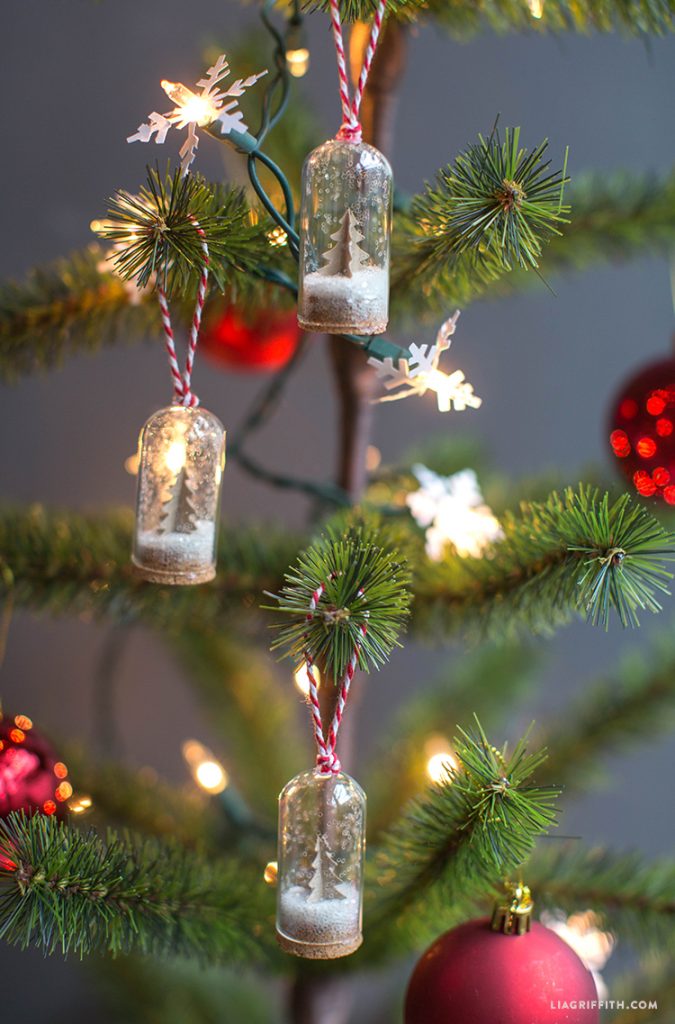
x: 327, y: 760
x: 183, y: 395
x: 350, y: 130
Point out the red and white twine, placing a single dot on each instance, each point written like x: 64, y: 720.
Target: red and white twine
x: 350, y: 130
x: 183, y: 394
x: 326, y: 759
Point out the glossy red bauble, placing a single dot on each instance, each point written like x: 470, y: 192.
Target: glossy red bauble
x: 473, y: 975
x: 260, y: 343
x: 32, y: 778
x: 642, y: 431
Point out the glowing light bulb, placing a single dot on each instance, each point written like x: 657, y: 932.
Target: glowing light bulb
x: 536, y: 8
x: 298, y: 61
x: 200, y: 110
x: 440, y: 759
x: 373, y: 458
x: 277, y: 237
x: 271, y: 872
x: 301, y: 679
x: 175, y: 456
x: 80, y: 804
x: 207, y: 772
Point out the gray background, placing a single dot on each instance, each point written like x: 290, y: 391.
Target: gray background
x: 76, y: 78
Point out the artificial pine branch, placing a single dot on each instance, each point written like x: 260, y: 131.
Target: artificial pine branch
x: 635, y: 900
x: 466, y: 17
x: 558, y: 559
x: 486, y: 683
x: 454, y: 844
x: 247, y: 709
x: 127, y: 798
x: 155, y: 237
x: 576, y: 553
x: 365, y: 601
x: 637, y: 703
x: 69, y: 891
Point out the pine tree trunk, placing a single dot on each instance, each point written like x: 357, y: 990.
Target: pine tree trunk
x: 316, y: 1000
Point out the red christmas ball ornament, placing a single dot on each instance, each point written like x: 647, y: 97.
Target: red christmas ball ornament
x: 642, y: 431
x: 260, y: 343
x: 485, y: 972
x: 32, y: 778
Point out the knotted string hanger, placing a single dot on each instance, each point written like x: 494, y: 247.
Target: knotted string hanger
x: 326, y: 759
x: 350, y: 130
x: 182, y: 393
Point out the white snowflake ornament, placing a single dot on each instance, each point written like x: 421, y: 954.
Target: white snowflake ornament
x: 583, y: 933
x: 452, y: 510
x: 421, y: 373
x: 196, y: 110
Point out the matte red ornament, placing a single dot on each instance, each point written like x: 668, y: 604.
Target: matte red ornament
x: 474, y: 975
x: 642, y: 431
x: 31, y: 776
x: 261, y: 343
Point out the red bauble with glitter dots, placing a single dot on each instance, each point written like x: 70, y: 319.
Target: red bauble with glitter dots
x: 32, y: 778
x: 260, y: 343
x: 642, y: 431
x: 474, y: 975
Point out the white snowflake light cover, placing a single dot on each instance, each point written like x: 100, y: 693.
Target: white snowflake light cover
x: 453, y: 511
x: 322, y: 830
x: 212, y: 104
x: 421, y: 373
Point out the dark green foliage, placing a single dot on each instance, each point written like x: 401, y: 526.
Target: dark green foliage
x: 497, y: 202
x: 75, y: 893
x: 365, y: 584
x: 486, y: 682
x: 465, y: 17
x: 455, y: 843
x: 634, y: 899
x: 636, y: 703
x: 547, y: 572
x: 155, y: 237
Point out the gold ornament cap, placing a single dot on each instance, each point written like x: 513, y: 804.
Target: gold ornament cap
x: 513, y: 914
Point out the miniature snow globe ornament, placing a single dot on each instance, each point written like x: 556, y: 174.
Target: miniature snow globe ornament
x: 182, y: 456
x: 345, y: 230
x: 322, y: 818
x: 345, y: 218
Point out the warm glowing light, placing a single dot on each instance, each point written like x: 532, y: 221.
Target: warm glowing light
x: 207, y: 772
x: 620, y: 443
x: 301, y: 679
x: 669, y: 495
x: 271, y: 872
x: 628, y: 409
x: 373, y: 458
x: 664, y: 427
x: 23, y: 722
x: 175, y: 456
x: 63, y: 792
x: 536, y: 8
x: 17, y: 735
x: 193, y: 109
x: 60, y: 770
x: 583, y: 933
x: 298, y: 62
x: 80, y: 804
x: 661, y: 476
x: 646, y: 447
x: 440, y: 759
x: 453, y: 511
x: 277, y: 237
x: 49, y: 807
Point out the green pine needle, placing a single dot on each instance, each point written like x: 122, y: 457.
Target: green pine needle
x: 365, y: 585
x: 155, y: 234
x: 497, y: 202
x: 455, y: 843
x: 70, y: 891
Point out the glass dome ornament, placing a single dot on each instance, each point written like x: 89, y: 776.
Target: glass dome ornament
x: 322, y: 843
x: 345, y: 231
x: 345, y: 216
x: 182, y: 456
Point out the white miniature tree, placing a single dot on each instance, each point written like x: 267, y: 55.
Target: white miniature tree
x: 324, y: 883
x: 346, y: 257
x: 178, y: 513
